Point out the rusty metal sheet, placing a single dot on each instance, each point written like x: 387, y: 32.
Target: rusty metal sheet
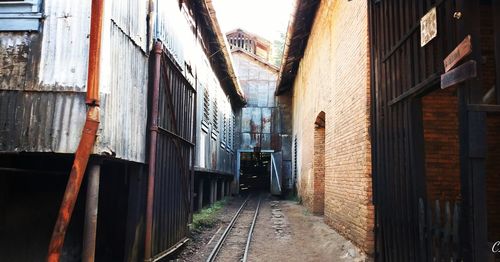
x: 16, y: 49
x: 41, y: 121
x: 256, y: 120
x: 267, y: 118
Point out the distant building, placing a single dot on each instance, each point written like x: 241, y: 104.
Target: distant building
x: 263, y: 125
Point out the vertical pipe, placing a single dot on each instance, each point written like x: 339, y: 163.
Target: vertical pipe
x: 152, y: 152
x: 87, y: 139
x: 91, y: 207
x: 200, y: 194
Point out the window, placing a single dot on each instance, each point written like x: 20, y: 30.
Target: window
x: 20, y: 15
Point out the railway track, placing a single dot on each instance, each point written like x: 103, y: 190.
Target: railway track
x: 234, y: 243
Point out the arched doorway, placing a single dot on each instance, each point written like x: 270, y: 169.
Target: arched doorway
x: 319, y: 164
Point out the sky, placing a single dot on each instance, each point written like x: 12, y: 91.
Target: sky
x: 266, y: 18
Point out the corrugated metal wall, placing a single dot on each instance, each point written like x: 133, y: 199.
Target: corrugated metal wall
x: 52, y: 66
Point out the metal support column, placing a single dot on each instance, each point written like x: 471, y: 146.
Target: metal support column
x: 91, y: 205
x: 211, y: 198
x: 222, y: 189
x: 215, y: 190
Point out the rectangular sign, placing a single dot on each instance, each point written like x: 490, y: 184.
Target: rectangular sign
x: 463, y: 72
x: 461, y: 51
x: 428, y: 27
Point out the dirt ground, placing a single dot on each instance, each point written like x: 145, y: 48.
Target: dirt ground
x: 285, y: 231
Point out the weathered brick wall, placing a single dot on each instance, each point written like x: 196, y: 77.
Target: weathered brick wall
x: 442, y: 165
x: 333, y: 77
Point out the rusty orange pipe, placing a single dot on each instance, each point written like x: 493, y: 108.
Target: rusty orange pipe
x: 87, y: 139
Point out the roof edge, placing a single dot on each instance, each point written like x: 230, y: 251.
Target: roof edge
x: 297, y: 36
x: 219, y: 55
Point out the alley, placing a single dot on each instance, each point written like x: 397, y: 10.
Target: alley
x: 253, y: 130
x: 284, y: 231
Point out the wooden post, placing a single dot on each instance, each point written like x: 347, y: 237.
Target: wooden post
x: 200, y: 194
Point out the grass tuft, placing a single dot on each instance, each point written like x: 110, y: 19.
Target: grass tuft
x: 206, y: 218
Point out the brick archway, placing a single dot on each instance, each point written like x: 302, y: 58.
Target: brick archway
x: 319, y: 165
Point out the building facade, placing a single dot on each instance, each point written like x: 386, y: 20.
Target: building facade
x: 326, y: 72
x: 263, y: 125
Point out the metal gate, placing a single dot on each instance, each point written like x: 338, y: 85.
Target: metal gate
x: 406, y: 67
x: 171, y: 153
x: 276, y: 174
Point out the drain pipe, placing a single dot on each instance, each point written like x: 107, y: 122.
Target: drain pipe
x: 148, y: 244
x: 87, y: 139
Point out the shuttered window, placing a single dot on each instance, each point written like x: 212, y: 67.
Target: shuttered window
x: 20, y: 15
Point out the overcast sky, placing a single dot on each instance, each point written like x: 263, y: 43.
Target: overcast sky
x: 266, y: 18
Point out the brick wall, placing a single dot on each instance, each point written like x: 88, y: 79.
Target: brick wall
x: 442, y: 165
x: 333, y: 77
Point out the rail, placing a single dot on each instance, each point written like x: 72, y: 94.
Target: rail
x: 213, y: 255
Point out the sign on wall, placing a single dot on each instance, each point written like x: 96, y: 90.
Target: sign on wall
x: 461, y: 51
x: 428, y: 27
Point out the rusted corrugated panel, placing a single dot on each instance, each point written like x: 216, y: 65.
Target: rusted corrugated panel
x: 256, y: 120
x: 124, y: 111
x: 16, y: 59
x: 41, y: 121
x: 130, y: 17
x: 65, y: 43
